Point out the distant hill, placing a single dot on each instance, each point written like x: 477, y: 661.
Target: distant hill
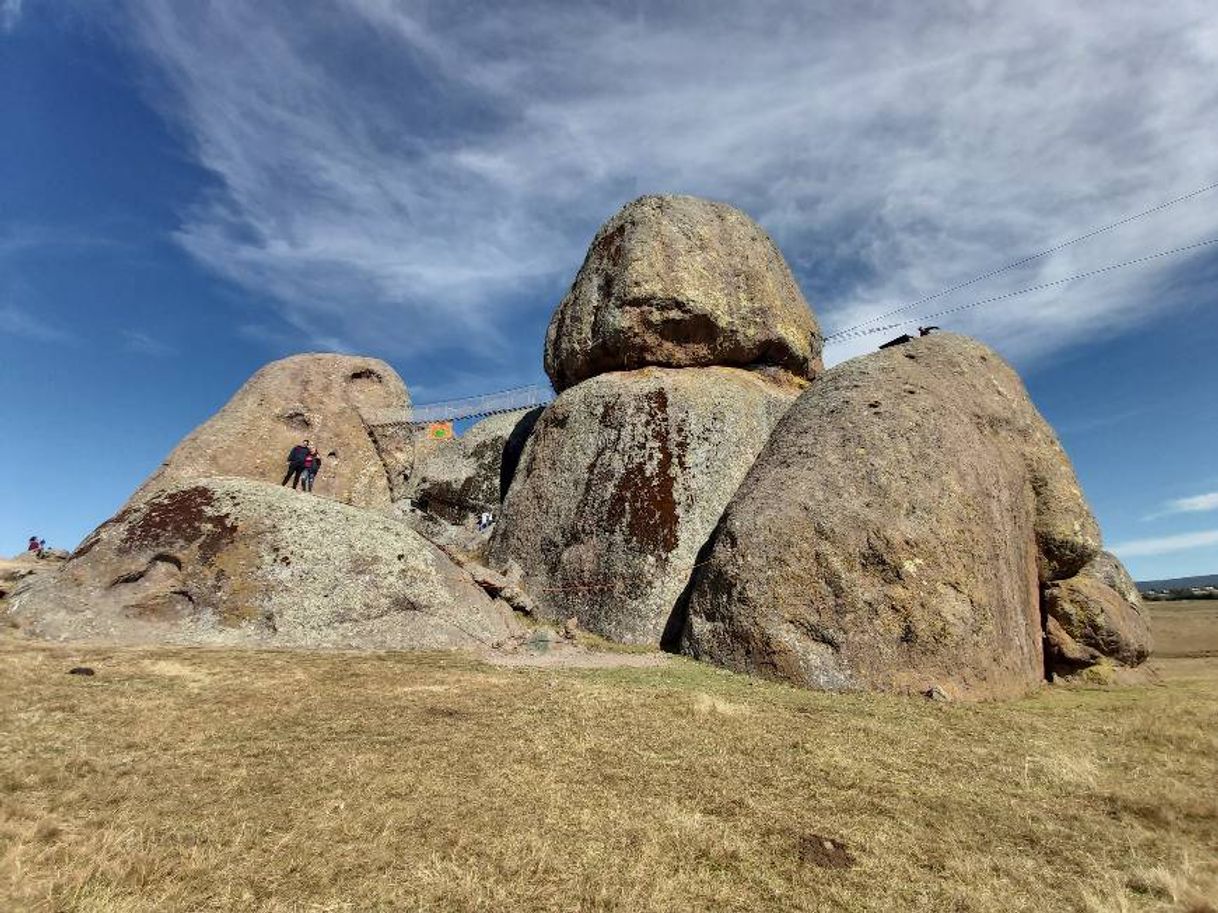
x: 1178, y: 583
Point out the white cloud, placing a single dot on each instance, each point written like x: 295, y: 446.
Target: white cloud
x: 1163, y: 545
x: 10, y: 14
x: 16, y: 322
x: 405, y: 178
x: 143, y: 344
x: 1194, y: 504
x: 1191, y: 505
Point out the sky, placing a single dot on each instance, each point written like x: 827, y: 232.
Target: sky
x: 188, y: 191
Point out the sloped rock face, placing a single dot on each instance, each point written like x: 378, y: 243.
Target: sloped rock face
x: 19, y: 571
x: 458, y: 479
x: 333, y: 400
x: 1096, y: 616
x: 234, y: 561
x: 678, y: 281
x: 621, y: 483
x: 895, y: 531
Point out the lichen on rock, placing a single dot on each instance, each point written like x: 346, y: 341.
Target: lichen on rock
x: 621, y: 483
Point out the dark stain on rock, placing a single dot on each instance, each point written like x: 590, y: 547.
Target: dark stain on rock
x: 609, y: 245
x: 644, y: 501
x: 184, y: 516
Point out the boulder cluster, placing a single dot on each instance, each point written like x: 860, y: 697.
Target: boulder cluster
x: 905, y: 521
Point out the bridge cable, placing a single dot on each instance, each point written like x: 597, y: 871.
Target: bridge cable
x: 1023, y: 260
x: 856, y: 334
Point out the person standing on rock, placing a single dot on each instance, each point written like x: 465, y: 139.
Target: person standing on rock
x: 312, y: 468
x: 296, y: 463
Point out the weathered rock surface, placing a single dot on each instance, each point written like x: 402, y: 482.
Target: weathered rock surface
x: 21, y: 569
x: 894, y: 532
x: 235, y: 561
x: 621, y: 483
x: 1096, y: 616
x: 459, y: 478
x: 333, y: 400
x: 678, y: 281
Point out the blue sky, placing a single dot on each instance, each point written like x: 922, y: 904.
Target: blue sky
x: 190, y: 190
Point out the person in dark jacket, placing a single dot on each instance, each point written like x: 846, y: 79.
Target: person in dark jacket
x: 312, y: 468
x: 296, y: 463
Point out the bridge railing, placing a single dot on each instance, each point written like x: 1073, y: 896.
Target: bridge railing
x: 513, y: 400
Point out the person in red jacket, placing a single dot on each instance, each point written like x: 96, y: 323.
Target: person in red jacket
x: 296, y: 463
x: 312, y: 468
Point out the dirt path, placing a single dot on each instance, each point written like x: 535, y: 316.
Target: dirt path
x: 566, y: 655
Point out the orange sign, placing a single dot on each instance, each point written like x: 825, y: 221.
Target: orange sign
x: 440, y: 430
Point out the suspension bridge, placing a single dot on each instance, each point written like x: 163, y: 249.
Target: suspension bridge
x: 517, y: 399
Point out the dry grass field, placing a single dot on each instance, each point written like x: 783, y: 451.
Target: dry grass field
x: 218, y: 780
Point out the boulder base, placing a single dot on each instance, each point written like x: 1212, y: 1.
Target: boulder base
x: 678, y: 281
x: 1096, y: 616
x: 894, y: 532
x: 234, y: 561
x: 621, y: 483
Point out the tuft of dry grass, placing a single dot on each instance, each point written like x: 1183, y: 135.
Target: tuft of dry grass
x: 183, y: 779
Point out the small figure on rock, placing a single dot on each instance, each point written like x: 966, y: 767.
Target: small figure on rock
x: 485, y: 521
x: 296, y: 463
x: 35, y: 545
x: 312, y: 468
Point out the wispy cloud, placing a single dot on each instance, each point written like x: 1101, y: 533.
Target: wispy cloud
x: 1192, y: 505
x: 17, y: 322
x: 402, y: 177
x: 1163, y: 545
x: 1195, y: 504
x: 143, y: 344
x: 10, y: 14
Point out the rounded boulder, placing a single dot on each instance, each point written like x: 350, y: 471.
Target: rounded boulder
x: 350, y: 407
x: 895, y: 532
x: 240, y: 562
x: 679, y: 281
x: 622, y: 481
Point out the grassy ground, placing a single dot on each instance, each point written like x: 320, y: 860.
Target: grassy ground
x: 1186, y: 628
x: 192, y: 780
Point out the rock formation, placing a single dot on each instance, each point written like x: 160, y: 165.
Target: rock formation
x: 459, y: 478
x: 336, y: 401
x: 235, y: 561
x: 906, y: 521
x: 895, y: 532
x: 677, y: 281
x: 1095, y: 618
x: 18, y: 572
x: 623, y: 480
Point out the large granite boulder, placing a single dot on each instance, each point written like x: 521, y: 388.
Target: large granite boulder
x: 458, y: 478
x: 241, y: 562
x: 1095, y: 617
x: 895, y: 532
x: 678, y: 281
x: 621, y: 483
x: 351, y: 408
